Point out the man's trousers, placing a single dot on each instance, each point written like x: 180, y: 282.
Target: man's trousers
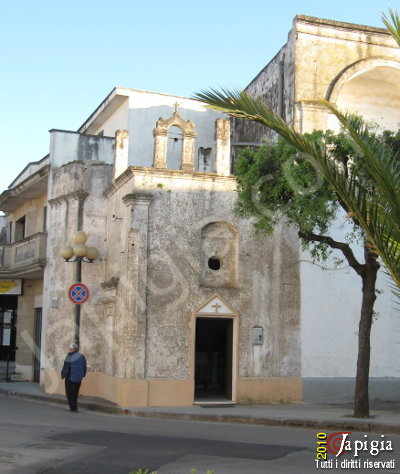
x: 72, y: 392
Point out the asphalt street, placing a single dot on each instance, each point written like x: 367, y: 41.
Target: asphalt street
x: 40, y: 438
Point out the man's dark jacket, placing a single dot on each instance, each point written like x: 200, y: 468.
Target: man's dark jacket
x: 74, y: 368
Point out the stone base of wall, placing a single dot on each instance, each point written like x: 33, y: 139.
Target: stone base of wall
x: 168, y: 392
x: 341, y: 389
x: 24, y: 372
x: 270, y: 390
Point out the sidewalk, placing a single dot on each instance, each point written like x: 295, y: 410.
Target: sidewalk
x: 385, y: 418
x: 33, y: 391
x: 332, y: 417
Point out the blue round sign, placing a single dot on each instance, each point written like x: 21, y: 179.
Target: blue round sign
x: 78, y: 293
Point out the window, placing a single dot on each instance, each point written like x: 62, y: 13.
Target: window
x: 205, y: 163
x: 19, y: 229
x: 44, y: 218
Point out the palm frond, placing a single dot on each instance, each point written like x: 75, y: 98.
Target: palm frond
x: 392, y: 22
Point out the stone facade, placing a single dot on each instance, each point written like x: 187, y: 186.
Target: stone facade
x: 157, y: 229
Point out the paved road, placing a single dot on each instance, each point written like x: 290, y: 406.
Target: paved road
x: 38, y: 438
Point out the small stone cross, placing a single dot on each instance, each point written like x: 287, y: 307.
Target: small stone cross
x: 176, y: 105
x: 216, y: 306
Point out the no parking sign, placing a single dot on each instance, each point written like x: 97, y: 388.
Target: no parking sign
x: 78, y: 293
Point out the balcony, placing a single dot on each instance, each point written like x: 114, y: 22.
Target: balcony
x: 25, y: 258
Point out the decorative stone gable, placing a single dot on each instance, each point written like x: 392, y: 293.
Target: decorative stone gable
x: 215, y: 306
x: 160, y: 134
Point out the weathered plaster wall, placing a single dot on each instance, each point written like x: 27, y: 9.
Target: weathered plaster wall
x: 68, y: 184
x: 267, y: 294
x: 66, y: 146
x: 274, y: 85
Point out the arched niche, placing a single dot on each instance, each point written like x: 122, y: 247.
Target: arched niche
x: 174, y: 148
x: 370, y: 88
x: 219, y: 255
x: 161, y: 142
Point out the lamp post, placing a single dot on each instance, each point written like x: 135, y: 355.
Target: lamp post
x: 77, y: 253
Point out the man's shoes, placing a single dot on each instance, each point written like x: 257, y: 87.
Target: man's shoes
x: 74, y: 410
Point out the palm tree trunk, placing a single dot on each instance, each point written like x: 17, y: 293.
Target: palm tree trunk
x: 361, y: 396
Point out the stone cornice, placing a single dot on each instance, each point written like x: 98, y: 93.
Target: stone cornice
x: 341, y: 24
x: 196, y: 175
x: 79, y: 195
x: 140, y: 196
x: 21, y: 271
x: 119, y: 182
x: 165, y: 173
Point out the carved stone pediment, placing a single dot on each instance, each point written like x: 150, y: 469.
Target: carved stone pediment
x: 187, y: 126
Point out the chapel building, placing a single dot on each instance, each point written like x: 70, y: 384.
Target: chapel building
x: 187, y: 304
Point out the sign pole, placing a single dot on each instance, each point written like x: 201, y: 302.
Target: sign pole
x: 78, y: 271
x: 78, y: 279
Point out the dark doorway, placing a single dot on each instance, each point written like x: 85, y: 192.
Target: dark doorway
x: 213, y: 358
x: 8, y: 327
x: 38, y: 345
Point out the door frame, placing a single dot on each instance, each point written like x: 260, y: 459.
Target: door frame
x: 234, y: 316
x: 37, y: 334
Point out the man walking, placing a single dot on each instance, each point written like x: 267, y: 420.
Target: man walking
x: 73, y: 371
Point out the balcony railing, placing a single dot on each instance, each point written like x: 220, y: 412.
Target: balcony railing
x: 24, y: 253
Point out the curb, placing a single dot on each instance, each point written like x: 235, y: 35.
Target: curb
x: 345, y: 425
x: 328, y: 424
x: 93, y: 406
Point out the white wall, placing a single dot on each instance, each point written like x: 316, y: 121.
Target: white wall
x: 147, y: 107
x: 330, y: 312
x: 68, y: 146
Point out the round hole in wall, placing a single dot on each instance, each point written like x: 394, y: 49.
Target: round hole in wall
x: 214, y: 263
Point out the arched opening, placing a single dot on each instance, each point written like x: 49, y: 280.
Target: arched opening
x: 174, y: 148
x: 374, y: 94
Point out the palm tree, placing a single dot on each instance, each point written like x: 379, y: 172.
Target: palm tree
x: 377, y: 212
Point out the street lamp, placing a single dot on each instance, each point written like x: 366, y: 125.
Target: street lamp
x: 77, y: 253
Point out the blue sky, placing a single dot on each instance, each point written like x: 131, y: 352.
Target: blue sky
x: 58, y: 60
